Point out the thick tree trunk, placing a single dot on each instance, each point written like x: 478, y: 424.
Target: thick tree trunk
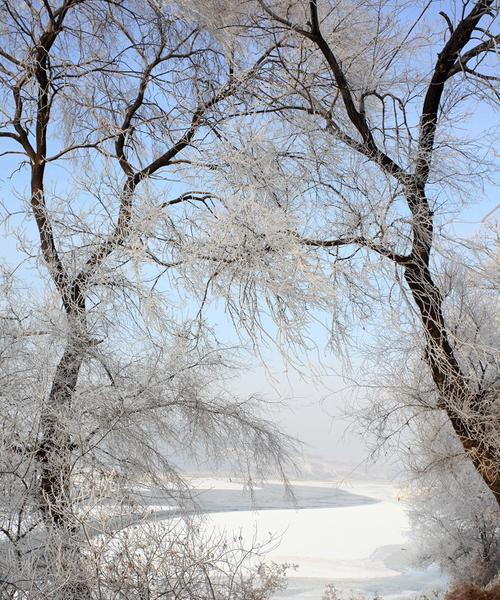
x: 457, y: 399
x: 56, y: 448
x: 55, y: 454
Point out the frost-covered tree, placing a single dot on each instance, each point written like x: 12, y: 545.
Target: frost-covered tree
x: 339, y: 185
x: 454, y: 517
x: 455, y: 520
x: 105, y: 373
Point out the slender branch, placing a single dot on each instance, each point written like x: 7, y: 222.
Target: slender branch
x: 445, y: 67
x: 190, y: 197
x: 464, y: 58
x: 359, y: 241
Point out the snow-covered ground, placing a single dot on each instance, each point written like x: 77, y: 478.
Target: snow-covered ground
x: 353, y: 538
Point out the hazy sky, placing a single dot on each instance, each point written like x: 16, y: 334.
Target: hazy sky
x: 311, y: 410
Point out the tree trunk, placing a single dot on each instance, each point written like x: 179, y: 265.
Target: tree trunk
x: 56, y: 449
x: 55, y: 455
x: 454, y: 391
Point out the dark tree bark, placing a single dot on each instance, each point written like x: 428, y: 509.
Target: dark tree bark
x: 452, y: 385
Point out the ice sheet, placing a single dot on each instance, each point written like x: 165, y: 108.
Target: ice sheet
x: 359, y: 544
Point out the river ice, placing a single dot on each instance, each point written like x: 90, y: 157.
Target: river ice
x: 353, y: 538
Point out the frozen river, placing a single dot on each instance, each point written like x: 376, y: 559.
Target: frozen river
x: 355, y: 539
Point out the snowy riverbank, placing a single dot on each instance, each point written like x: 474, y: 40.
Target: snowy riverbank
x: 355, y: 539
